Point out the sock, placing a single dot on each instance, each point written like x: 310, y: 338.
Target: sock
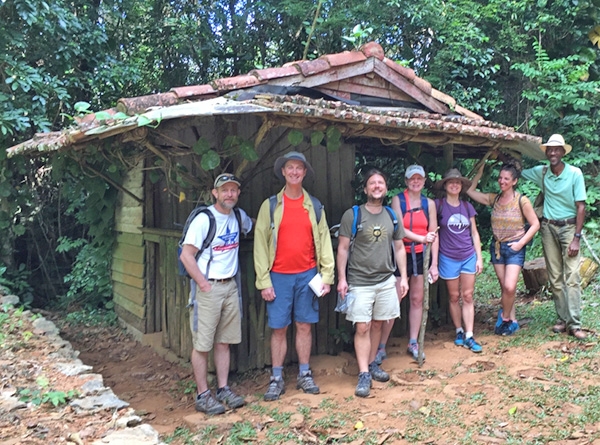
x: 468, y: 334
x: 278, y: 371
x: 459, y: 330
x: 382, y: 346
x: 412, y: 340
x: 303, y: 368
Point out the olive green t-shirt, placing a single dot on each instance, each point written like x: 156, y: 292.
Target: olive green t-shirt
x: 371, y: 258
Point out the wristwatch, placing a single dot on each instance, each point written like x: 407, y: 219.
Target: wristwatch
x: 577, y: 235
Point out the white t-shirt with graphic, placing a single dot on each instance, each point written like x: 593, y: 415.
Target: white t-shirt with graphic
x: 225, y: 244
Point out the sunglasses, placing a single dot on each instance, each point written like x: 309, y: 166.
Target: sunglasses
x: 224, y: 179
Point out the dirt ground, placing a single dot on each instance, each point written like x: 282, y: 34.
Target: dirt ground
x: 397, y: 412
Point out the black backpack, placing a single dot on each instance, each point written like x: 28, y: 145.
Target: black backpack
x: 212, y: 228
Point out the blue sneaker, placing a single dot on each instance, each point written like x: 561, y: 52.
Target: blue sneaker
x: 380, y: 356
x: 514, y: 327
x: 504, y: 328
x: 499, y: 319
x: 460, y: 339
x: 471, y: 344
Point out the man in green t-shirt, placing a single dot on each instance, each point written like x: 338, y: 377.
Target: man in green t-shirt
x: 369, y: 276
x: 561, y: 225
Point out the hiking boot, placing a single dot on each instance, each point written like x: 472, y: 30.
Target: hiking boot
x: 307, y: 384
x: 206, y: 403
x: 363, y: 388
x: 378, y: 374
x: 504, y: 328
x: 380, y: 356
x: 471, y: 344
x: 276, y: 389
x: 559, y: 327
x: 413, y: 349
x: 578, y: 334
x: 228, y: 397
x: 460, y: 339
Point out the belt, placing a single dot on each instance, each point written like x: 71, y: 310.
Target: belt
x: 220, y: 280
x: 560, y: 222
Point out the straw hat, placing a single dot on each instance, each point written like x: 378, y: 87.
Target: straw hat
x: 556, y: 140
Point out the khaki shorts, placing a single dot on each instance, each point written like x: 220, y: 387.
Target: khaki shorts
x: 376, y: 302
x: 218, y: 316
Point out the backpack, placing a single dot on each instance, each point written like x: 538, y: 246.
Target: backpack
x: 356, y: 225
x: 212, y: 228
x: 316, y: 205
x: 424, y: 205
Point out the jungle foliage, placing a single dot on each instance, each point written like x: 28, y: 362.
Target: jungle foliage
x: 531, y: 65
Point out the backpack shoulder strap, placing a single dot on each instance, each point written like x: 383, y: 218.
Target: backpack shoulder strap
x: 402, y: 198
x: 425, y: 206
x: 211, y: 230
x: 238, y: 216
x: 318, y: 207
x: 272, y: 205
x: 392, y: 216
x: 544, y: 171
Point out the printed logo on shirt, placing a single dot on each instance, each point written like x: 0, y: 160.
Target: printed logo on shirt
x: 458, y: 223
x: 376, y: 232
x: 229, y: 239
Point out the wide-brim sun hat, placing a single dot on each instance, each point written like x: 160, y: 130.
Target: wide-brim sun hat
x: 453, y: 173
x: 556, y: 140
x: 292, y: 156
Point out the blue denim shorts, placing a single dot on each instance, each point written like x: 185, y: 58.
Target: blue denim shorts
x: 507, y: 255
x: 293, y: 297
x: 450, y: 269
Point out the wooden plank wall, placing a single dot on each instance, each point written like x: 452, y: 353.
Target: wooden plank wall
x: 128, y: 266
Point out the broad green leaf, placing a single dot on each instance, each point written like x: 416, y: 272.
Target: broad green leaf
x: 210, y: 160
x: 316, y: 138
x: 201, y: 146
x: 82, y: 107
x: 295, y: 137
x: 143, y: 121
x: 154, y: 176
x: 120, y: 116
x: 333, y: 144
x: 103, y: 115
x: 333, y: 134
x: 512, y: 410
x: 247, y: 151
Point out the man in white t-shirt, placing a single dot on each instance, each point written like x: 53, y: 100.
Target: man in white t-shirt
x: 215, y: 317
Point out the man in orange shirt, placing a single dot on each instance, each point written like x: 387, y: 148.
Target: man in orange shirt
x: 291, y: 245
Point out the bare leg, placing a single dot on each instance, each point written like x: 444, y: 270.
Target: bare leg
x: 222, y: 360
x: 278, y: 346
x: 375, y: 334
x: 509, y: 289
x: 303, y: 341
x: 467, y: 286
x: 362, y: 345
x: 454, y: 299
x: 200, y: 367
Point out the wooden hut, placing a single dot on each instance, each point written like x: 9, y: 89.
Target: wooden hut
x: 327, y: 108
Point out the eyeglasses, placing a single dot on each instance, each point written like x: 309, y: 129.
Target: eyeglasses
x: 222, y: 179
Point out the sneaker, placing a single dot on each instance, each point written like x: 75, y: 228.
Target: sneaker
x: 471, y: 344
x: 413, y: 349
x: 499, y: 319
x: 514, y: 327
x: 206, y: 403
x: 378, y: 374
x: 276, y: 389
x: 380, y: 356
x: 229, y: 398
x: 363, y: 388
x: 460, y: 339
x: 504, y: 328
x: 307, y: 384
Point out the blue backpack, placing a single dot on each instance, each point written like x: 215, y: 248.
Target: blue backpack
x: 424, y: 205
x: 357, y: 226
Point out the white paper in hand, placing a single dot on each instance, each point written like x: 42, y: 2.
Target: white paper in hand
x: 316, y: 284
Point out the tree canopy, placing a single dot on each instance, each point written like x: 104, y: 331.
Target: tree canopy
x: 530, y: 65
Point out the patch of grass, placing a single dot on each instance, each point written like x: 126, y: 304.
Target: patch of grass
x: 241, y: 432
x: 94, y: 317
x: 182, y: 435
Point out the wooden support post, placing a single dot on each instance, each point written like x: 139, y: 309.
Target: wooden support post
x: 426, y: 253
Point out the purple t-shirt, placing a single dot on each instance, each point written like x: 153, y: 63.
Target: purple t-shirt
x: 455, y: 229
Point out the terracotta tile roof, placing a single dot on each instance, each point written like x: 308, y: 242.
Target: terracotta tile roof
x: 366, y: 73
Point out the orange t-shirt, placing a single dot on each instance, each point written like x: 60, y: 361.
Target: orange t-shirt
x: 295, y: 245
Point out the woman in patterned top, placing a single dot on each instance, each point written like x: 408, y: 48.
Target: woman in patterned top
x: 511, y: 214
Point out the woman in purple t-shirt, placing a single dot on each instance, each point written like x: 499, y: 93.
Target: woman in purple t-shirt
x: 459, y: 258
